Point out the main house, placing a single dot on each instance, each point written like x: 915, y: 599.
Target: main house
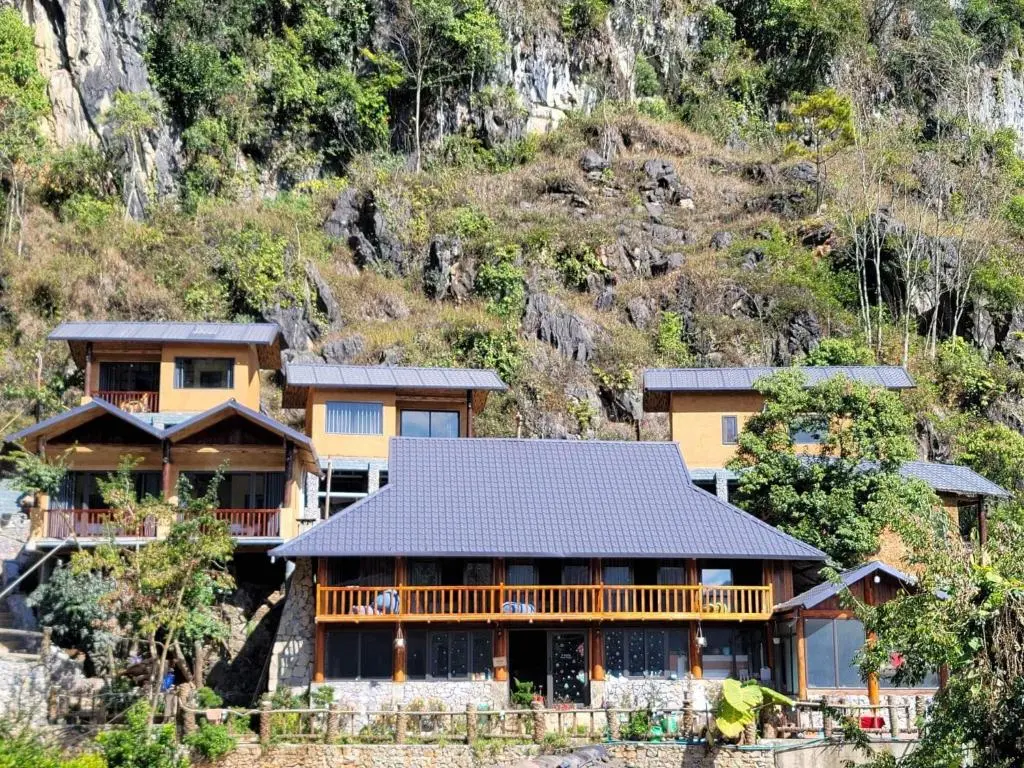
x: 592, y: 570
x: 181, y: 399
x: 708, y: 408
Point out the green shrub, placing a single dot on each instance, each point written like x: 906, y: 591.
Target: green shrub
x: 836, y: 351
x: 580, y: 17
x: 207, y: 698
x: 500, y: 280
x: 638, y: 727
x: 522, y: 694
x: 71, y: 603
x: 1013, y: 212
x: 646, y: 78
x: 213, y: 741
x: 137, y: 745
x: 577, y: 263
x: 77, y: 171
x: 669, y: 341
x: 478, y: 347
x: 655, y: 107
x: 967, y: 379
x: 252, y: 264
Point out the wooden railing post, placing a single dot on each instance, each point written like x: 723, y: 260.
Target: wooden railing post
x: 539, y: 722
x: 894, y: 725
x: 471, y: 723
x: 265, y: 715
x: 401, y: 724
x: 333, y: 722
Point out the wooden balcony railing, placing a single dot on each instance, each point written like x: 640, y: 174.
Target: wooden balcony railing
x: 92, y: 524
x: 527, y: 603
x: 133, y: 402
x: 264, y: 523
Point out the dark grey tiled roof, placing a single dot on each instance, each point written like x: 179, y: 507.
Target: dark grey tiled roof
x: 386, y: 377
x: 739, y: 379
x: 222, y: 333
x: 953, y: 478
x: 542, y: 498
x: 819, y: 594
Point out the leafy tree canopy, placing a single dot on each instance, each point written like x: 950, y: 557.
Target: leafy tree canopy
x: 840, y: 498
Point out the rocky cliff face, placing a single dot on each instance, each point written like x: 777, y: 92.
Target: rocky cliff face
x: 88, y: 50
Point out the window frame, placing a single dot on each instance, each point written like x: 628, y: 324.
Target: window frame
x: 734, y: 421
x: 358, y: 634
x: 430, y: 420
x: 473, y: 636
x: 378, y: 406
x: 179, y: 371
x: 837, y: 683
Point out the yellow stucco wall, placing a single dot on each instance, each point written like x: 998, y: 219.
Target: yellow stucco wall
x: 369, y: 446
x: 696, y: 424
x: 246, y: 388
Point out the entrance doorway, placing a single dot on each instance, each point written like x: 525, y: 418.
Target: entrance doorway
x: 556, y: 662
x: 528, y: 658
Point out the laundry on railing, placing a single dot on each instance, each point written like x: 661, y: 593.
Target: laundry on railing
x: 387, y: 602
x: 513, y: 607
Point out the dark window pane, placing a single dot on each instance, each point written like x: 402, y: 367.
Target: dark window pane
x: 439, y: 665
x: 636, y: 658
x: 614, y: 653
x: 671, y: 574
x: 477, y: 573
x: 821, y: 653
x: 342, y: 655
x: 655, y: 665
x: 459, y: 654
x: 416, y: 655
x: 483, y: 655
x: 204, y: 372
x: 347, y: 481
x: 129, y: 377
x: 677, y: 644
x: 376, y: 658
x: 730, y: 430
x: 576, y: 574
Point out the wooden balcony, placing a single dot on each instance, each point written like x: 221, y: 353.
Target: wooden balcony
x: 92, y: 524
x: 133, y: 402
x: 530, y: 603
x: 251, y: 523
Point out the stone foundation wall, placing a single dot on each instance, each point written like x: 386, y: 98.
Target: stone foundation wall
x: 649, y: 693
x: 291, y: 662
x: 384, y: 695
x: 502, y: 756
x: 25, y: 683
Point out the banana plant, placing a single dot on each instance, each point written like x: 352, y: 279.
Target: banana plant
x: 740, y: 703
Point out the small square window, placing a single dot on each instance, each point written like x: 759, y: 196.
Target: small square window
x: 730, y: 430
x: 204, y: 373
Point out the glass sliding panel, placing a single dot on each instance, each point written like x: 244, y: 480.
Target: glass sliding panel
x: 483, y: 655
x: 617, y: 575
x: 439, y: 661
x: 614, y: 652
x: 129, y: 377
x: 375, y: 655
x: 444, y: 424
x: 429, y: 423
x: 477, y: 573
x: 345, y: 418
x: 677, y: 642
x: 636, y: 658
x: 415, y: 424
x: 671, y: 574
x: 655, y: 666
x: 716, y: 577
x: 341, y: 660
x: 850, y: 638
x: 416, y: 655
x: 519, y: 574
x: 424, y: 573
x: 821, y: 653
x: 459, y: 655
x: 576, y: 573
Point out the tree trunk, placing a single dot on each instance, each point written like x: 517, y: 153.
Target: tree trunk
x: 416, y: 128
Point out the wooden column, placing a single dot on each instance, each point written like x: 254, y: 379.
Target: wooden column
x: 469, y: 413
x: 597, y: 654
x: 801, y: 659
x: 289, y: 464
x: 319, y: 653
x: 88, y: 369
x: 874, y: 696
x: 501, y: 652
x: 399, y: 660
x: 768, y: 580
x: 696, y: 661
x: 982, y: 523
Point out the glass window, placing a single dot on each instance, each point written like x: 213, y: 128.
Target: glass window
x: 129, y: 377
x: 646, y: 652
x: 730, y: 430
x: 576, y: 573
x: 204, y: 372
x: 430, y: 424
x: 617, y: 575
x: 354, y: 418
x: 449, y: 655
x: 821, y: 653
x: 520, y: 574
x: 809, y: 430
x: 354, y: 655
x: 477, y: 573
x: 732, y: 652
x: 424, y: 573
x: 849, y: 640
x: 671, y: 574
x: 716, y: 577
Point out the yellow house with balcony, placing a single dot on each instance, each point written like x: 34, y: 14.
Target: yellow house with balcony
x: 352, y: 412
x: 182, y: 399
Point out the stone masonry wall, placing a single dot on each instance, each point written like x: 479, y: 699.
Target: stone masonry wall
x: 464, y: 756
x: 25, y: 683
x: 291, y: 662
x: 384, y: 695
x: 653, y: 693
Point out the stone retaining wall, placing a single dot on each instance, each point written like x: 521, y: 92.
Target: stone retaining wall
x: 291, y: 662
x: 25, y: 683
x: 384, y: 695
x: 464, y: 756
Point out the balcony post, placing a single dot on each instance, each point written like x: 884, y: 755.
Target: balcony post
x: 319, y: 653
x: 696, y: 662
x: 88, y: 370
x: 399, y: 657
x: 801, y: 658
x: 596, y: 655
x: 469, y: 413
